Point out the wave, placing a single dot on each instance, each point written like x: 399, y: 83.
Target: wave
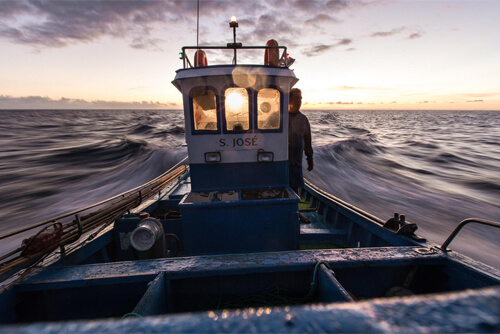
x: 351, y: 148
x: 450, y: 158
x: 115, y: 181
x: 77, y: 182
x: 141, y: 129
x: 417, y: 144
x: 484, y: 185
x: 99, y: 154
x: 176, y: 130
x: 380, y: 161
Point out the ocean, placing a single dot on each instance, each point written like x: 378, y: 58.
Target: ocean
x: 436, y: 167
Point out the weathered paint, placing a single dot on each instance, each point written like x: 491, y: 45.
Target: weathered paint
x: 233, y: 263
x: 468, y: 311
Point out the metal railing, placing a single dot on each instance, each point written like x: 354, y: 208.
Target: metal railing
x: 444, y: 246
x: 187, y: 64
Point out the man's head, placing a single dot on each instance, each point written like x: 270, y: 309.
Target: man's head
x: 295, y: 100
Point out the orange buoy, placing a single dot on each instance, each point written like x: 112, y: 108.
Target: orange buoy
x: 200, y: 58
x: 272, y: 56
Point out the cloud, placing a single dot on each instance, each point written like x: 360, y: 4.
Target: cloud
x: 415, y: 36
x: 268, y: 26
x: 475, y: 101
x: 44, y: 102
x: 318, y: 49
x: 56, y: 24
x: 148, y: 44
x: 60, y: 23
x: 387, y: 33
x: 340, y: 103
x: 308, y: 6
x: 322, y: 19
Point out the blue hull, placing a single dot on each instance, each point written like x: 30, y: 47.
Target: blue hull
x: 347, y: 273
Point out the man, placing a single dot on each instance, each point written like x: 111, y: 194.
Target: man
x: 299, y: 140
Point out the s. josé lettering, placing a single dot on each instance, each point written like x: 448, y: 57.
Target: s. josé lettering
x: 239, y: 142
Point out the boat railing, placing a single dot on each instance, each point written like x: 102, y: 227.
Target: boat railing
x: 283, y: 61
x: 444, y: 246
x: 105, y: 213
x: 344, y: 203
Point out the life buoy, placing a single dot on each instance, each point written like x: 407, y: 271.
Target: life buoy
x: 272, y: 56
x: 200, y: 58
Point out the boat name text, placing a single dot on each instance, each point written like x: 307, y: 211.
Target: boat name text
x: 239, y: 142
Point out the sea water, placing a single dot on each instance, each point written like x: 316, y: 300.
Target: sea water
x: 436, y: 167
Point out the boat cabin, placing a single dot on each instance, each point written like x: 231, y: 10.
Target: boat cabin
x: 236, y: 120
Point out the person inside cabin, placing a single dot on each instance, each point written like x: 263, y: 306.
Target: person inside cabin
x: 299, y: 142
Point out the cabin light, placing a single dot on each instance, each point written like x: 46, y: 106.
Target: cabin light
x: 235, y: 100
x: 181, y: 55
x: 212, y: 157
x: 233, y: 23
x: 263, y: 156
x: 289, y: 60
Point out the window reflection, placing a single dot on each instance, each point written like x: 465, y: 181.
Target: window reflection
x: 268, y: 112
x: 236, y: 106
x: 204, y: 109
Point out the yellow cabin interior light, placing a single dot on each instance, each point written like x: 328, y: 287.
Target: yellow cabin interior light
x: 234, y: 101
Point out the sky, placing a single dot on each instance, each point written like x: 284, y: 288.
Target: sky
x: 356, y: 54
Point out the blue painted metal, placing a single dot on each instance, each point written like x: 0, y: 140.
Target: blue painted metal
x: 166, y: 286
x: 361, y: 226
x: 237, y: 226
x: 464, y: 312
x: 154, y: 300
x: 94, y: 252
x: 239, y: 175
x: 330, y: 289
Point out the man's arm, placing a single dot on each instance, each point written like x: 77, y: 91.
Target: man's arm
x: 308, y: 147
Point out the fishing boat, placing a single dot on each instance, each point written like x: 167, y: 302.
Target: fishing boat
x: 215, y: 244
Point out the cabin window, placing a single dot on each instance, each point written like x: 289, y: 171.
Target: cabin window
x: 204, y: 109
x: 236, y: 109
x: 268, y: 112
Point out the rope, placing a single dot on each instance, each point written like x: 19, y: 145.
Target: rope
x: 132, y: 314
x: 100, y: 218
x: 312, y: 290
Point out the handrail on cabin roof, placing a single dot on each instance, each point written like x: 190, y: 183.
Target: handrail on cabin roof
x: 232, y: 46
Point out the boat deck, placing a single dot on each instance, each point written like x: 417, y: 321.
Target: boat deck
x: 223, y: 282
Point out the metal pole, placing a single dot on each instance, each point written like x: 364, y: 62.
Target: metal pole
x: 197, y: 22
x: 234, y: 34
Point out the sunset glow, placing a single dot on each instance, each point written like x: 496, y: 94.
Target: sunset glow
x: 353, y: 54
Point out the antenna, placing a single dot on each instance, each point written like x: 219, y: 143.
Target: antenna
x: 197, y: 22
